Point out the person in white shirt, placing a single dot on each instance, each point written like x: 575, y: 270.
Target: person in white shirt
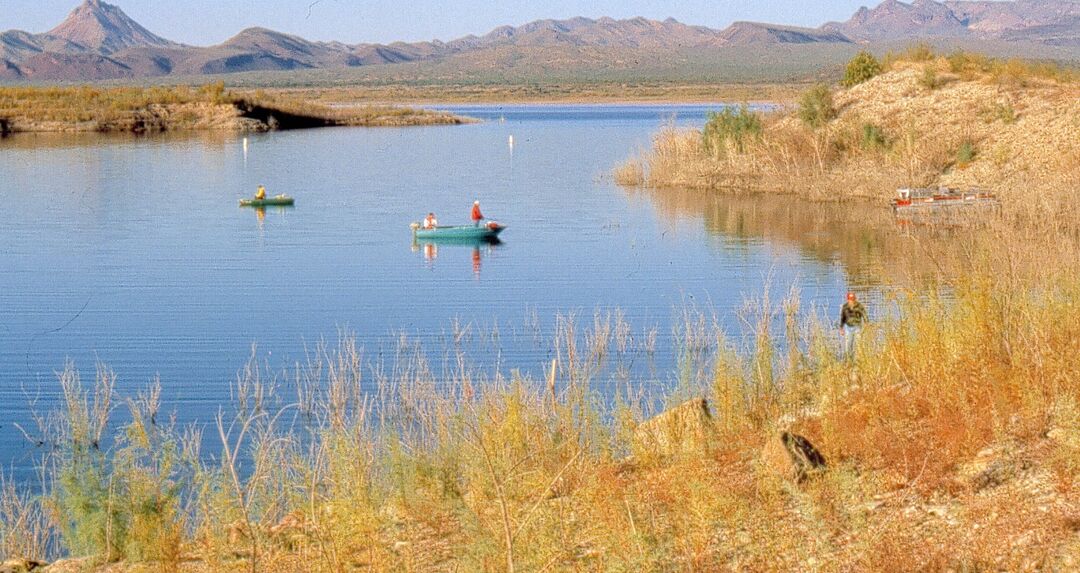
x: 430, y: 222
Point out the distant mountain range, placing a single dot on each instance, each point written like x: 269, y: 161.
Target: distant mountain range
x: 99, y: 41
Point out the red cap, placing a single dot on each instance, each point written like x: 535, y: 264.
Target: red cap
x: 851, y: 296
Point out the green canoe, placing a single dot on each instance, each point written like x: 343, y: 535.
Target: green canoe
x: 268, y: 202
x: 462, y: 232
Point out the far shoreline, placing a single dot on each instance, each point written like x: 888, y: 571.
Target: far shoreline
x: 562, y: 94
x: 87, y: 109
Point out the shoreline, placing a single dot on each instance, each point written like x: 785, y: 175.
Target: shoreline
x: 555, y: 95
x: 210, y: 108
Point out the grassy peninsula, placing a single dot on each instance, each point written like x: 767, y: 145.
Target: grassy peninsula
x: 182, y: 108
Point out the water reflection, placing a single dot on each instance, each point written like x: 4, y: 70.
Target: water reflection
x: 865, y: 238
x: 260, y: 215
x: 429, y: 249
x: 56, y: 141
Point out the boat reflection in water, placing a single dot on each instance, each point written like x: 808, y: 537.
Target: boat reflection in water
x: 260, y: 213
x: 430, y: 249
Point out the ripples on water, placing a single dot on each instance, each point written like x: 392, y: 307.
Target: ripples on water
x: 132, y: 252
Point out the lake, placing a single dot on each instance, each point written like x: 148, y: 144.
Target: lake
x: 133, y: 253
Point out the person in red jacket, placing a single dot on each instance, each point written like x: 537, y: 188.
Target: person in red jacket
x: 477, y: 216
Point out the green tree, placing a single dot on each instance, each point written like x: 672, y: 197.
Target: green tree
x: 861, y: 68
x: 816, y: 106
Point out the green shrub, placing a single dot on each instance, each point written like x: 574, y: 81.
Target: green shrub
x: 816, y: 106
x: 929, y: 78
x: 920, y: 52
x: 861, y: 68
x: 121, y: 502
x: 1005, y: 113
x: 731, y: 125
x: 966, y: 154
x: 967, y: 63
x: 873, y: 137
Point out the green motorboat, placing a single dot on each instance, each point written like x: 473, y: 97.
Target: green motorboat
x: 268, y: 202
x: 487, y: 231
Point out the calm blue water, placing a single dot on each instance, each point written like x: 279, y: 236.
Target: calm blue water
x: 133, y: 252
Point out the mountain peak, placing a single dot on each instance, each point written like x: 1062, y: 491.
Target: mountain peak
x: 893, y: 19
x: 747, y: 33
x: 105, y: 28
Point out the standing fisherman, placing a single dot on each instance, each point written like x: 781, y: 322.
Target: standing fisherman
x: 852, y: 318
x: 477, y: 216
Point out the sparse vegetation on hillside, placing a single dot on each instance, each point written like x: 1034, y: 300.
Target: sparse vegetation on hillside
x: 1006, y: 126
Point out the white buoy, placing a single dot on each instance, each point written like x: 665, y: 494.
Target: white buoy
x: 511, y: 142
x: 245, y: 149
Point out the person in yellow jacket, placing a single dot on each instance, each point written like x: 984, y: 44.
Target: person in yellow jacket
x: 261, y: 193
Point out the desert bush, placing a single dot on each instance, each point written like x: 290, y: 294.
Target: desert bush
x: 816, y: 106
x: 116, y: 495
x: 1004, y: 113
x: 929, y: 78
x: 966, y: 153
x: 215, y: 92
x: 26, y: 529
x: 630, y: 173
x: 920, y: 52
x: 873, y: 137
x: 85, y: 498
x: 861, y: 68
x: 731, y: 127
x: 968, y: 64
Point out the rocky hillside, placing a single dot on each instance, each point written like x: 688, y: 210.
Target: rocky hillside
x: 1055, y: 22
x: 98, y: 41
x: 1023, y: 132
x: 105, y: 29
x: 961, y: 121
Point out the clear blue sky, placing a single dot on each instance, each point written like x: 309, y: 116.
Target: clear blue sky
x: 204, y: 22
